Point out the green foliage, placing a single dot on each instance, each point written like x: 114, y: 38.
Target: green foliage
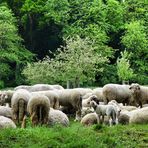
x: 135, y: 41
x: 57, y: 10
x: 11, y: 50
x: 76, y: 135
x: 125, y: 73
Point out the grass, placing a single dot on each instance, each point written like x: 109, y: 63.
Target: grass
x: 76, y: 136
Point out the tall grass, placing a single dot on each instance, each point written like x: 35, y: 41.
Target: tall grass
x: 76, y: 136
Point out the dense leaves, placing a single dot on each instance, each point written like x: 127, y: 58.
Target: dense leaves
x: 12, y: 52
x: 111, y: 25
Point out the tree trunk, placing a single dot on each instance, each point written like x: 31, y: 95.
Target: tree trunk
x: 68, y: 84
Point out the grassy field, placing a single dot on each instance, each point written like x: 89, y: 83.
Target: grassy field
x: 76, y: 136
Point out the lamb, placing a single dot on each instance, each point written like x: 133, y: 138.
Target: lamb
x: 52, y: 96
x: 103, y: 110
x: 71, y: 98
x: 19, y: 105
x: 38, y: 107
x: 6, y: 96
x: 120, y: 93
x: 57, y: 117
x: 6, y: 111
x: 139, y: 93
x: 6, y: 123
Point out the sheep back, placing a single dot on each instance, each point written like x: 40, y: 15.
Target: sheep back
x: 58, y: 117
x: 117, y: 92
x: 6, y: 123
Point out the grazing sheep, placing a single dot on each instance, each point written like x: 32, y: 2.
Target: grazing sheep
x: 86, y: 110
x: 128, y: 108
x: 38, y: 108
x: 27, y: 87
x: 39, y: 87
x: 123, y: 119
x: 6, y: 96
x: 139, y: 93
x: 83, y: 91
x: 71, y: 98
x: 57, y: 117
x: 19, y: 104
x: 139, y: 116
x: 92, y: 118
x: 120, y: 93
x: 104, y: 110
x: 98, y: 93
x: 52, y: 96
x: 86, y: 102
x: 89, y: 119
x: 6, y: 123
x: 6, y: 111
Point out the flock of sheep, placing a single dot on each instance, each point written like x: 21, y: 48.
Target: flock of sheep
x: 51, y: 104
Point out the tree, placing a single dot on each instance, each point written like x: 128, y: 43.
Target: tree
x: 136, y: 43
x: 12, y: 52
x: 125, y: 73
x: 76, y: 62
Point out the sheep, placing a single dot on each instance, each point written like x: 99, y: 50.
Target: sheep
x: 139, y: 116
x: 139, y: 93
x: 38, y: 107
x: 52, y: 96
x: 19, y: 104
x: 39, y: 87
x: 71, y: 98
x: 89, y: 119
x: 103, y: 110
x: 86, y: 102
x: 86, y: 110
x: 120, y: 93
x: 83, y: 91
x: 6, y: 111
x: 92, y: 118
x: 6, y: 123
x: 57, y: 117
x: 98, y: 93
x: 6, y: 96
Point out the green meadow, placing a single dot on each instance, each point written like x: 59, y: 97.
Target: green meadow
x: 76, y: 136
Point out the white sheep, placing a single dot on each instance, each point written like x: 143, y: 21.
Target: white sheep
x: 52, y: 96
x: 71, y: 98
x: 38, y: 108
x: 6, y: 111
x: 139, y: 93
x: 86, y: 110
x: 5, y: 96
x: 99, y: 93
x: 57, y: 117
x: 39, y: 87
x: 86, y: 102
x: 139, y: 116
x: 90, y: 119
x: 19, y: 104
x: 120, y: 93
x: 105, y: 110
x: 83, y: 91
x: 6, y: 123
